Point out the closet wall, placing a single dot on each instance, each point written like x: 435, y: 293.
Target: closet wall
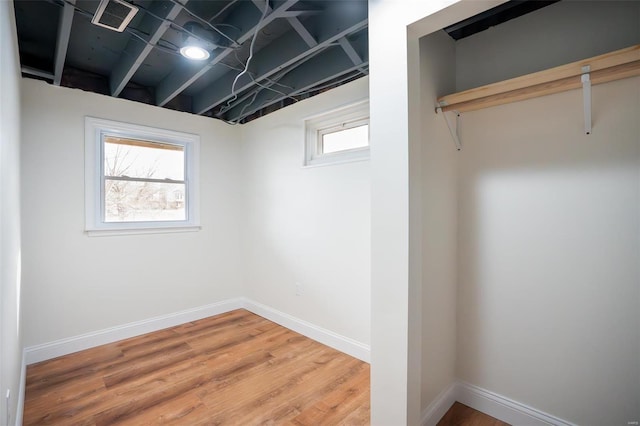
x: 548, y: 221
x: 440, y: 221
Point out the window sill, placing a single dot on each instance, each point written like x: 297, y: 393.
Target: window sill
x: 338, y: 158
x: 140, y: 231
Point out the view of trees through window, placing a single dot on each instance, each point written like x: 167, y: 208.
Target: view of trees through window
x: 143, y: 180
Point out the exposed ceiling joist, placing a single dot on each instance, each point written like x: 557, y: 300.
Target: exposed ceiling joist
x: 62, y: 42
x: 350, y: 51
x: 36, y: 73
x: 324, y: 67
x: 247, y: 17
x: 144, y: 62
x: 287, y: 50
x: 136, y: 51
x: 302, y: 31
x: 258, y: 87
x: 302, y: 47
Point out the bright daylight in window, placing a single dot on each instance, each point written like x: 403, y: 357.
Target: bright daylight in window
x: 139, y: 178
x: 338, y: 136
x: 143, y: 180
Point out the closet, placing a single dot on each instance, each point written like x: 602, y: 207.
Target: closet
x: 531, y: 211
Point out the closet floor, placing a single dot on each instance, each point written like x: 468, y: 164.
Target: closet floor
x: 460, y: 414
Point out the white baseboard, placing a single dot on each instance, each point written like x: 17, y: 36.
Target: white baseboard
x: 22, y: 390
x: 439, y: 406
x: 322, y: 335
x: 503, y: 408
x: 491, y: 403
x: 69, y: 345
x: 488, y: 402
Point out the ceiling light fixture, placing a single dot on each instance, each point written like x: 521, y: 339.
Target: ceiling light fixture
x: 197, y: 42
x: 194, y: 52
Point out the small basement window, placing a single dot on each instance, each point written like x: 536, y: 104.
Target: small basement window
x: 338, y: 136
x: 139, y: 179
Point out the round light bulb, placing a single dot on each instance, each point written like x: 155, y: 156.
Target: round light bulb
x: 196, y: 53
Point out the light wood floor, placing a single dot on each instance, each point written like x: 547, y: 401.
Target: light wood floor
x: 461, y: 415
x: 231, y: 369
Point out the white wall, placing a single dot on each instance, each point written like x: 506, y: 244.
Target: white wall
x: 549, y: 250
x: 307, y: 225
x: 440, y: 221
x: 267, y: 223
x: 10, y: 283
x: 548, y: 224
x: 75, y: 284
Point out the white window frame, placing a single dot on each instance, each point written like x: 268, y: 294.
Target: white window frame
x: 95, y: 225
x: 344, y: 118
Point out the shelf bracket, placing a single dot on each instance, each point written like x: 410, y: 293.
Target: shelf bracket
x: 586, y: 97
x: 453, y: 127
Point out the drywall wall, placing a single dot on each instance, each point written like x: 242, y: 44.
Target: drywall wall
x: 307, y: 225
x: 440, y: 221
x: 548, y: 224
x: 396, y: 114
x: 74, y: 283
x: 10, y: 268
x: 548, y: 254
x: 555, y: 35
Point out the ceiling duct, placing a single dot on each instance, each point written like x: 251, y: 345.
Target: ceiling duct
x: 114, y: 14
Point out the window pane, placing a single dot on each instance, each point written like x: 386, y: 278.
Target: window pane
x: 355, y: 137
x: 130, y: 201
x: 142, y: 159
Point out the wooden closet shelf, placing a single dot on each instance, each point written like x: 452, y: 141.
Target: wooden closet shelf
x: 611, y: 66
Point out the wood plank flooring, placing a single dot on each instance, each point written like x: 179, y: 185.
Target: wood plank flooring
x: 460, y: 414
x: 232, y: 369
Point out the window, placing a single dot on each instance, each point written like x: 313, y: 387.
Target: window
x: 339, y: 136
x: 139, y: 179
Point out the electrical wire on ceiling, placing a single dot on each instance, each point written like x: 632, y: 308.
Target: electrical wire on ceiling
x: 252, y: 76
x: 275, y: 81
x: 224, y: 109
x: 252, y: 94
x: 279, y: 84
x: 208, y: 23
x: 134, y: 32
x: 174, y: 47
x: 255, y: 92
x: 83, y: 12
x: 174, y: 25
x: 235, y: 54
x: 280, y: 75
x: 251, y: 46
x: 350, y: 76
x: 236, y: 101
x: 129, y: 29
x: 255, y: 95
x: 221, y: 11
